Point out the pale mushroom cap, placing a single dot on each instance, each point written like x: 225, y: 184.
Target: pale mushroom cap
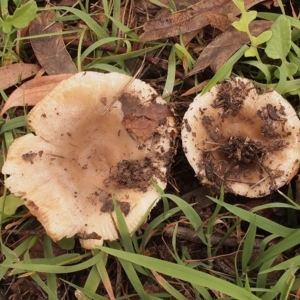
x: 97, y: 135
x: 242, y: 137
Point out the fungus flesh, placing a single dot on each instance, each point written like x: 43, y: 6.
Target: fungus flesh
x: 97, y: 136
x: 242, y: 137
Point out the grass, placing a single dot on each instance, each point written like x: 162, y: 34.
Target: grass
x: 179, y: 271
x: 198, y: 275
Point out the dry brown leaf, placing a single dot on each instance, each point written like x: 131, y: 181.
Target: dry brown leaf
x: 195, y: 90
x: 33, y: 91
x: 143, y: 121
x: 219, y: 21
x: 12, y: 74
x: 50, y: 51
x: 67, y: 2
x: 189, y: 19
x: 269, y: 3
x: 225, y: 45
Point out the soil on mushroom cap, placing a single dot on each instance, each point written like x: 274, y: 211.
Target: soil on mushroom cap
x: 231, y: 98
x: 243, y: 150
x: 237, y: 159
x: 133, y: 174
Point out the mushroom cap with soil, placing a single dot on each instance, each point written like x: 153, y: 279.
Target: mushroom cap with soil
x: 242, y: 137
x: 97, y: 136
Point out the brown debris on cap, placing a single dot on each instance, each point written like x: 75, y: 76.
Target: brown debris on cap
x: 97, y: 135
x: 242, y: 137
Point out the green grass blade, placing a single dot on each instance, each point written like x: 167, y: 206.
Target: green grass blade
x: 131, y: 34
x: 96, y: 45
x: 273, y: 17
x: 13, y: 124
x: 262, y: 67
x: 184, y: 54
x: 106, y: 68
x: 168, y: 287
x: 189, y: 212
x: 287, y: 243
x: 91, y: 23
x: 8, y: 138
x: 122, y: 227
x: 12, y: 256
x: 93, y: 280
x: 169, y: 85
x: 117, y: 15
x: 132, y: 275
x: 262, y: 277
x: 295, y: 262
x: 225, y: 70
x: 282, y: 285
x: 122, y: 57
x: 260, y: 221
x: 157, y: 222
x: 54, y: 269
x: 52, y: 295
x: 85, y: 291
x: 184, y: 273
x: 249, y: 243
x: 51, y: 278
x: 105, y: 278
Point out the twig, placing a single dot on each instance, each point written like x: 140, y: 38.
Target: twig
x: 187, y: 234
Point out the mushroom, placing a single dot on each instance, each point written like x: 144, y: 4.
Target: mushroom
x: 97, y: 136
x: 242, y: 137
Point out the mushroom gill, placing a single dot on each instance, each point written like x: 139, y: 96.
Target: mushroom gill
x: 243, y: 137
x: 96, y: 136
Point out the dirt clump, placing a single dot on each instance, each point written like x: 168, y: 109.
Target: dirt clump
x: 230, y: 97
x: 133, y: 174
x: 243, y: 150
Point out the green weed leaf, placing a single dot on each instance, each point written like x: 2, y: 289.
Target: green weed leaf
x: 240, y: 5
x: 279, y: 44
x: 11, y: 204
x: 21, y: 17
x: 246, y: 19
x: 289, y: 68
x: 240, y: 25
x: 252, y: 51
x: 262, y: 38
x: 6, y: 28
x: 66, y: 243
